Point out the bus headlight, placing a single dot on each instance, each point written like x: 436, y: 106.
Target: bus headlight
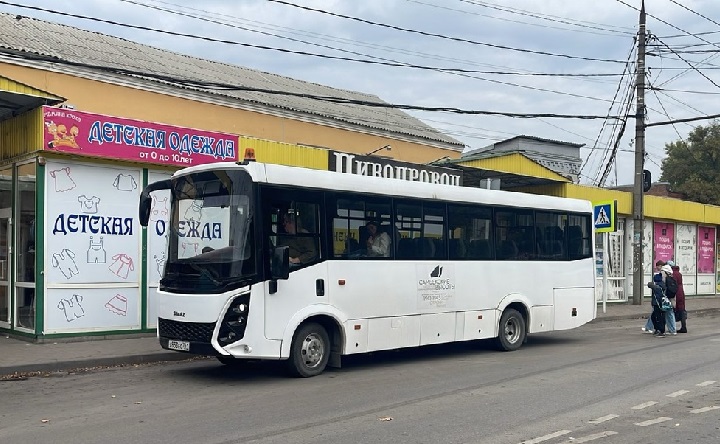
x: 232, y: 326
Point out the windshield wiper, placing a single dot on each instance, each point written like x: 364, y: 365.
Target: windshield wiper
x: 204, y: 272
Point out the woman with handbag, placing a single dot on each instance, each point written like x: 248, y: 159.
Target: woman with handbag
x: 658, y: 315
x: 680, y: 312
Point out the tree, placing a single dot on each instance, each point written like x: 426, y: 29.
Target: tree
x: 692, y: 166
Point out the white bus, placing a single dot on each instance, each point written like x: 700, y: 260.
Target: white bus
x: 273, y: 262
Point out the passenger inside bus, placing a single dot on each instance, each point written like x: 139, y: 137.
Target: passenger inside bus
x: 378, y: 242
x: 302, y: 248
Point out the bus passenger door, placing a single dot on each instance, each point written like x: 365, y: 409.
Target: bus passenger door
x: 293, y: 219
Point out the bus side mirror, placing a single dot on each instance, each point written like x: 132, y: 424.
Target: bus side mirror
x: 144, y: 210
x: 280, y: 263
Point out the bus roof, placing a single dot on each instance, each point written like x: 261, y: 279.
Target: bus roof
x: 330, y: 180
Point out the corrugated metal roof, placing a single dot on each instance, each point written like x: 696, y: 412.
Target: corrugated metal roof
x: 78, y: 46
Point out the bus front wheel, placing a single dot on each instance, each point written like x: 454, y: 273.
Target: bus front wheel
x: 229, y: 361
x: 512, y: 333
x: 310, y: 351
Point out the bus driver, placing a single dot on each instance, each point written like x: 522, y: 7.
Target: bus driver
x: 302, y: 248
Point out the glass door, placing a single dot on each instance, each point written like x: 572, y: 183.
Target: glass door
x: 5, y: 255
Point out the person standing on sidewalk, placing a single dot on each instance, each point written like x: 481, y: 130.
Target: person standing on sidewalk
x: 670, y: 291
x: 658, y: 316
x: 649, y: 328
x: 680, y: 312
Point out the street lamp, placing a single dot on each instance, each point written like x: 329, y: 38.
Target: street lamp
x: 386, y: 147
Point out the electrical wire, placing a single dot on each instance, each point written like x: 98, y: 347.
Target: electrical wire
x: 606, y: 32
x: 441, y: 36
x: 453, y: 71
x: 198, y: 84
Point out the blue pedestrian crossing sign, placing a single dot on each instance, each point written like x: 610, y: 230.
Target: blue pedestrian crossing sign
x: 605, y: 216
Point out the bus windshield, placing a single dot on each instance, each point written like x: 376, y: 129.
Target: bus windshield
x: 210, y: 241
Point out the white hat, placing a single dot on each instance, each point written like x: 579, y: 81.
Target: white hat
x: 667, y: 269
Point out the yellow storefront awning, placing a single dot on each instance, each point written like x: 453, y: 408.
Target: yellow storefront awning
x: 17, y: 98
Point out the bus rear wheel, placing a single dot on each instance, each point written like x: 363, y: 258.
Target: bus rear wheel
x: 512, y: 332
x: 309, y: 351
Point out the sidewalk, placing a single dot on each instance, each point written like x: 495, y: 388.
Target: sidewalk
x: 18, y: 357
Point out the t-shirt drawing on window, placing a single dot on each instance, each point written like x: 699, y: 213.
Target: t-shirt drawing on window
x: 96, y: 253
x: 125, y: 182
x: 88, y: 205
x: 63, y: 181
x: 194, y: 211
x: 122, y: 265
x: 72, y: 307
x: 65, y: 262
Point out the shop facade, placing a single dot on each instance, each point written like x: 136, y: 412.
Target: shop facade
x: 76, y: 261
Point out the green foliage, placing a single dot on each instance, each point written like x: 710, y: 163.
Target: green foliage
x: 692, y: 166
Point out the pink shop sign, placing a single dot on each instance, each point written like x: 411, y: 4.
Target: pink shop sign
x: 88, y: 134
x: 706, y: 250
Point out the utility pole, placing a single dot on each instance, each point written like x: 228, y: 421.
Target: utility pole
x: 638, y: 215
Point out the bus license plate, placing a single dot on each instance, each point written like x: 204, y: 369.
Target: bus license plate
x: 179, y: 345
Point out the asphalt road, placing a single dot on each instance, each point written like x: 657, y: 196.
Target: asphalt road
x: 604, y: 383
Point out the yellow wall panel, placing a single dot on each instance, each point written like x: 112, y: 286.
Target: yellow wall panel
x: 114, y: 100
x: 657, y: 207
x: 285, y: 153
x: 514, y: 163
x: 21, y: 135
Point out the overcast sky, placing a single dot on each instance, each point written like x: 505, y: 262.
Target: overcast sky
x: 579, y: 37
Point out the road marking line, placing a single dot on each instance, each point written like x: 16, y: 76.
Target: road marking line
x: 677, y: 393
x: 705, y: 409
x: 604, y: 418
x: 546, y: 437
x: 705, y: 384
x: 644, y: 405
x: 591, y: 437
x: 650, y: 422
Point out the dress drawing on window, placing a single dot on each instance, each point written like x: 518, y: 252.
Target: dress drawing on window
x: 63, y: 181
x: 96, y: 254
x: 118, y: 305
x: 124, y: 182
x: 122, y: 265
x: 88, y: 205
x: 65, y: 262
x: 72, y: 307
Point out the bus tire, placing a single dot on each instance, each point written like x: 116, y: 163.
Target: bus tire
x: 512, y: 332
x: 309, y: 351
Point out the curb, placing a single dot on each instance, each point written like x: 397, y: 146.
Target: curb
x: 698, y: 313
x: 82, y: 364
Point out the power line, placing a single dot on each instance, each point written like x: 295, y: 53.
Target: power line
x: 681, y: 30
x: 617, y: 92
x: 606, y: 32
x: 454, y: 71
x: 198, y: 84
x: 689, y: 64
x: 694, y: 12
x: 689, y: 119
x: 429, y: 34
x: 393, y: 62
x: 549, y: 18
